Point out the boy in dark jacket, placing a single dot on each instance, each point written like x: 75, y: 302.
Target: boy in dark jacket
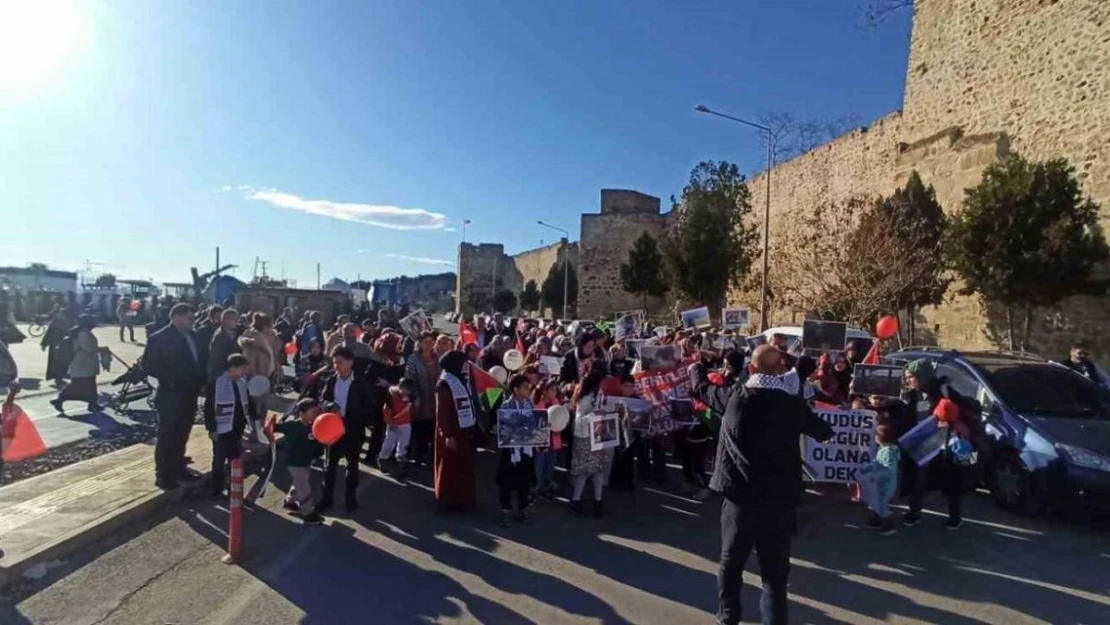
x: 226, y: 410
x: 300, y: 450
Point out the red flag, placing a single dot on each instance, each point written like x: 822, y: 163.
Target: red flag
x: 468, y: 333
x: 520, y: 337
x: 21, y: 439
x: 873, y: 354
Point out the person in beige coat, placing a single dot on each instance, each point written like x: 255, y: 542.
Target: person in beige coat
x: 257, y: 347
x: 84, y: 367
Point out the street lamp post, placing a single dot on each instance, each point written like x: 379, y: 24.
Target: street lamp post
x: 701, y: 108
x: 566, y: 263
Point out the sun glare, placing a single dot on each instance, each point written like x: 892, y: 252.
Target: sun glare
x: 36, y: 37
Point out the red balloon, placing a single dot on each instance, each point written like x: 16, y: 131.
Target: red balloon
x: 887, y: 327
x: 290, y: 348
x: 328, y: 428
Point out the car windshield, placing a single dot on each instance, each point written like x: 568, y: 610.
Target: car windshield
x: 1049, y: 390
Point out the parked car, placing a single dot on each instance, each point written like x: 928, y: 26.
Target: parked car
x: 1048, y: 426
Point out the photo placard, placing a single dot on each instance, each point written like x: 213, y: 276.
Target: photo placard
x: 522, y: 428
x: 736, y: 318
x: 604, y: 432
x: 879, y: 380
x: 695, y: 318
x: 824, y: 336
x: 658, y: 357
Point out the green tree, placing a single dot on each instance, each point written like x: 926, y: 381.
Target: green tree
x: 1027, y: 238
x: 530, y: 297
x: 504, y: 301
x: 552, y: 288
x: 903, y: 234
x: 713, y: 243
x: 478, y: 301
x: 643, y: 273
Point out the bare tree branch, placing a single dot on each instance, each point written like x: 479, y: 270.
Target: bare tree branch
x: 877, y: 11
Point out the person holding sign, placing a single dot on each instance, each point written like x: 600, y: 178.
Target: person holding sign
x: 929, y: 399
x: 585, y: 463
x: 515, y: 465
x: 759, y: 474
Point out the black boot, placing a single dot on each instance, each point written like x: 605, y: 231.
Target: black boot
x: 598, y: 512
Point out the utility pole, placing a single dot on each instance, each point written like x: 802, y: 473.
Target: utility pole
x: 317, y: 276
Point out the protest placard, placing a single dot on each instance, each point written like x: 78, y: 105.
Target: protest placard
x: 635, y: 413
x: 604, y: 431
x: 550, y: 365
x: 736, y: 318
x: 632, y: 348
x: 627, y: 325
x: 719, y: 342
x: 653, y: 357
x: 879, y: 380
x: 823, y: 336
x: 851, y: 448
x: 924, y: 442
x: 755, y: 341
x: 522, y: 428
x: 695, y: 318
x: 414, y: 324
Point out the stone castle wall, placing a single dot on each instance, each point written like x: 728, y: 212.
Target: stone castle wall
x: 480, y: 267
x: 535, y: 264
x: 985, y: 77
x: 607, y: 238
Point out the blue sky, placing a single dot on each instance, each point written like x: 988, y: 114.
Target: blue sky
x: 143, y: 134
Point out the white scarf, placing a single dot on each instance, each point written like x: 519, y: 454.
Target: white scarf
x: 225, y: 402
x: 787, y: 383
x: 462, y: 399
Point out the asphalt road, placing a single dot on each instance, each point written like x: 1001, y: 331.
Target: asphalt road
x: 651, y: 560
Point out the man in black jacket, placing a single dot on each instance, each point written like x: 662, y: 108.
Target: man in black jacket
x: 353, y: 395
x: 225, y: 342
x: 759, y: 475
x: 172, y: 357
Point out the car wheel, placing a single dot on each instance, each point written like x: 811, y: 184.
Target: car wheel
x: 1011, y: 485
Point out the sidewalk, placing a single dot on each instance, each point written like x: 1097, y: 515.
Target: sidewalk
x: 45, y: 518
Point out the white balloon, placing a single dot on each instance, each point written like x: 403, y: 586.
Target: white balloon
x: 558, y: 417
x: 499, y: 373
x: 514, y: 360
x: 258, y: 386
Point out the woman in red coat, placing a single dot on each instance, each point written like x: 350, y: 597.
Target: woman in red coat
x: 455, y: 423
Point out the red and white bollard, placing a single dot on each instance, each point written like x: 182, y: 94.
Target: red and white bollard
x: 235, y: 531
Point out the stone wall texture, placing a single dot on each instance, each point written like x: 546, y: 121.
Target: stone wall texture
x: 985, y: 78
x: 480, y: 274
x: 535, y: 264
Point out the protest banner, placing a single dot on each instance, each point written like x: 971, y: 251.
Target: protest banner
x: 604, y: 431
x: 522, y: 428
x: 718, y: 342
x: 414, y: 324
x: 851, y: 447
x: 924, y: 442
x: 695, y: 318
x: 736, y: 318
x: 666, y: 390
x: 824, y: 336
x: 635, y: 413
x: 879, y: 380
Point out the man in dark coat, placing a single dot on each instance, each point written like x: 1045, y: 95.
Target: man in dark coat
x: 1079, y: 360
x: 353, y: 396
x: 759, y: 475
x: 205, y: 328
x: 172, y: 357
x: 225, y: 342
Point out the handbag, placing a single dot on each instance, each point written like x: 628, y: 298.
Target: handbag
x: 962, y: 452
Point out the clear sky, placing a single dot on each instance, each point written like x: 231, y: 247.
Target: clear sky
x: 142, y: 134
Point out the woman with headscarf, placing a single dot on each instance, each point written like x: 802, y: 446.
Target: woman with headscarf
x: 454, y: 435
x: 422, y: 368
x: 58, y: 353
x: 83, y: 368
x: 578, y: 363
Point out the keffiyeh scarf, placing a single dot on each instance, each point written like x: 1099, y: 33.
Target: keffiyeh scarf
x: 787, y: 383
x: 462, y: 399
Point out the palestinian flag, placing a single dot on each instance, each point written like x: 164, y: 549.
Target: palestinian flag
x: 706, y: 416
x: 488, y: 389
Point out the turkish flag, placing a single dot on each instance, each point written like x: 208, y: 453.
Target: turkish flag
x: 469, y: 334
x: 873, y: 354
x: 21, y: 438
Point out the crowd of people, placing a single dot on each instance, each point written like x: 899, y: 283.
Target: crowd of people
x: 410, y: 399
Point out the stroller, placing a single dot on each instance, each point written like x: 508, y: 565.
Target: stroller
x: 134, y: 386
